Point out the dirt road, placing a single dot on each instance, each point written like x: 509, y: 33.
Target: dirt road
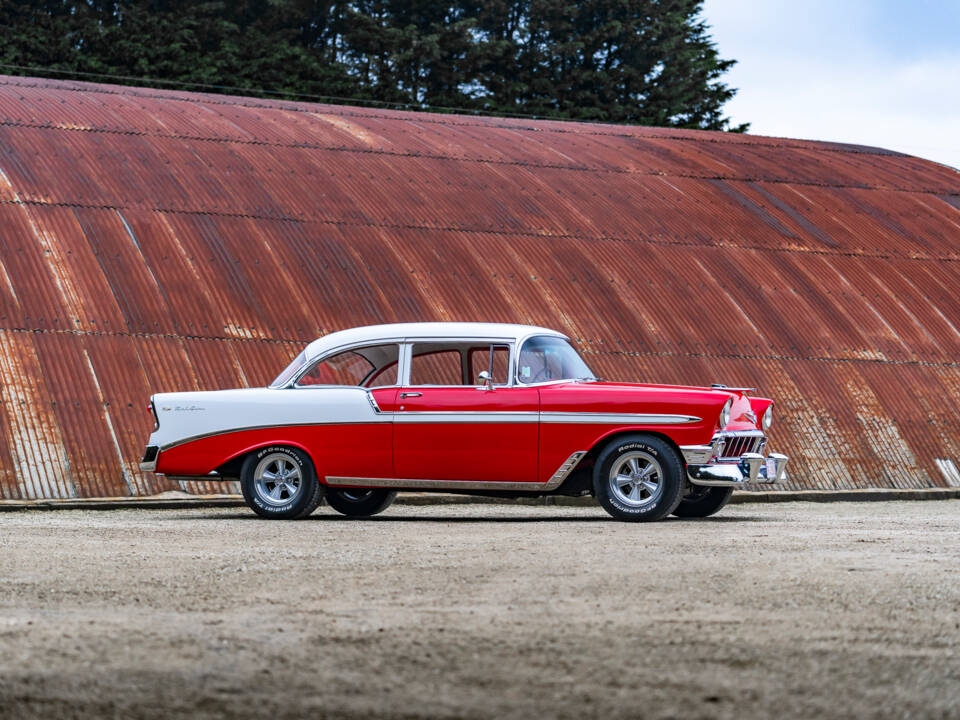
x: 787, y: 610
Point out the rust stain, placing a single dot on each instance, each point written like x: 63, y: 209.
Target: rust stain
x: 156, y: 240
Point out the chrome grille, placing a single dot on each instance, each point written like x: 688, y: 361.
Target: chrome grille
x: 735, y: 445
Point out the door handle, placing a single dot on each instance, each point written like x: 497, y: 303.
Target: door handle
x: 410, y: 394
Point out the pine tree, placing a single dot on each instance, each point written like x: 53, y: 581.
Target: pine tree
x: 637, y: 61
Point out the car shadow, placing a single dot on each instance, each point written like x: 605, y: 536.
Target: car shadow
x: 473, y: 519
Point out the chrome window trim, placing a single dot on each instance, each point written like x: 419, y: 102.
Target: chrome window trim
x: 410, y: 341
x: 544, y: 383
x: 530, y: 336
x: 310, y: 364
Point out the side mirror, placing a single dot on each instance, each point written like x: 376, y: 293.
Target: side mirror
x: 486, y: 380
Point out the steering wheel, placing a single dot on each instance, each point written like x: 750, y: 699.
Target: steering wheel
x: 543, y: 371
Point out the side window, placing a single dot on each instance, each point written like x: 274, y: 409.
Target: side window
x: 495, y: 359
x: 550, y: 358
x: 383, y: 377
x: 373, y: 366
x: 429, y: 366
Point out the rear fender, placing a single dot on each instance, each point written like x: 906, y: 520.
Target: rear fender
x: 202, y: 456
x: 241, y: 455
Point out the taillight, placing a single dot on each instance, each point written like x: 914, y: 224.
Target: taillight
x: 153, y: 411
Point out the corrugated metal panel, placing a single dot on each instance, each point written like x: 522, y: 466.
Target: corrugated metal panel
x: 157, y: 240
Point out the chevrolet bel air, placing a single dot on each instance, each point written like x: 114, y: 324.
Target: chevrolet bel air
x: 481, y: 408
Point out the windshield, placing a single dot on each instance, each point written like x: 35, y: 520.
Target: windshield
x: 551, y: 358
x: 291, y: 370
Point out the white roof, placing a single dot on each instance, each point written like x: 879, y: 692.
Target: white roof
x: 429, y: 330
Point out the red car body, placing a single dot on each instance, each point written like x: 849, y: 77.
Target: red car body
x: 523, y: 432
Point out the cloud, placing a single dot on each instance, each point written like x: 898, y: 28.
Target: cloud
x: 831, y: 73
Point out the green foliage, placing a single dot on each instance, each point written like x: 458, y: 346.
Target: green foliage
x: 649, y: 62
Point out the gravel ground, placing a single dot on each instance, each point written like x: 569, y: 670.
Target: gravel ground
x: 800, y: 610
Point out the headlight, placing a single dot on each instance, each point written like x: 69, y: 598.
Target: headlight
x: 725, y: 414
x: 767, y: 420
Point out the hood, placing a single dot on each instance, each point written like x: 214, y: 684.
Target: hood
x: 745, y: 413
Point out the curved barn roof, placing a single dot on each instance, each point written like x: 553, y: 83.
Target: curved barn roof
x: 158, y: 240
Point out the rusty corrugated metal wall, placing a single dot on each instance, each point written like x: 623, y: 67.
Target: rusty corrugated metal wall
x: 157, y: 240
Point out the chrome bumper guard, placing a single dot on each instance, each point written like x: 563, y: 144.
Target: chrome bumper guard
x: 751, y: 468
x: 149, y: 462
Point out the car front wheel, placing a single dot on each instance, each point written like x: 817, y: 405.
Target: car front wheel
x: 638, y: 478
x: 357, y: 502
x: 280, y: 483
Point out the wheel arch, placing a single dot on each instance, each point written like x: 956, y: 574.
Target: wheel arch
x: 232, y: 465
x: 603, y: 442
x: 582, y: 476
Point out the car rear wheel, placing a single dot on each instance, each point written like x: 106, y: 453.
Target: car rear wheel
x: 638, y: 478
x: 280, y: 483
x: 703, y: 501
x: 358, y: 502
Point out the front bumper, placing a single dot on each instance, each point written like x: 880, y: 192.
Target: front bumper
x: 710, y: 464
x: 752, y: 468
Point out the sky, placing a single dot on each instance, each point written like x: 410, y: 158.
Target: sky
x: 881, y: 72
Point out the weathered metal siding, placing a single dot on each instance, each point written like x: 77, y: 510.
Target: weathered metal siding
x: 159, y: 240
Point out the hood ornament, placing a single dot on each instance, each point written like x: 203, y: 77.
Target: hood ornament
x: 721, y: 386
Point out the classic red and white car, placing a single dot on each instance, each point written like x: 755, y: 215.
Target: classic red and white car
x: 493, y: 409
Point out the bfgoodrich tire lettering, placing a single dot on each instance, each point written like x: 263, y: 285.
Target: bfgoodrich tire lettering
x: 280, y: 483
x: 638, y: 478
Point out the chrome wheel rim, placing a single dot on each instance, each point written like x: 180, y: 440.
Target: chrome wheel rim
x: 636, y: 479
x: 355, y: 495
x: 277, y: 479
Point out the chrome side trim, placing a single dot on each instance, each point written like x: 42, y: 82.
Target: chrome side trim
x: 473, y: 416
x: 520, y: 416
x: 381, y: 418
x: 337, y: 481
x: 563, y: 472
x: 588, y: 418
x: 469, y: 416
x: 373, y: 403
